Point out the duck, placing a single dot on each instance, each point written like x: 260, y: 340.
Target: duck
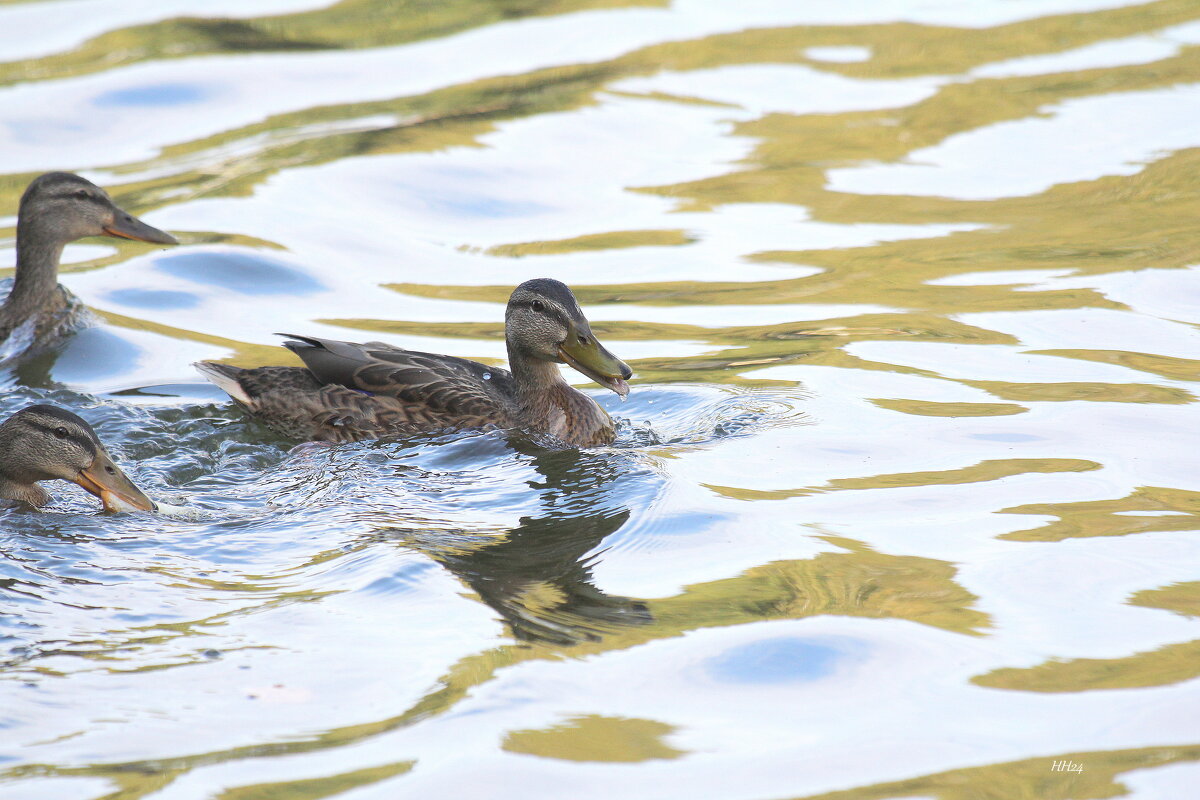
x: 45, y: 442
x: 57, y: 208
x: 349, y: 392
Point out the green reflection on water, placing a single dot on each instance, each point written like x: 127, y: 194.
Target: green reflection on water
x: 929, y: 408
x: 350, y: 24
x: 1176, y: 369
x: 858, y: 583
x: 1182, y: 598
x: 1029, y: 779
x: 1168, y: 664
x: 596, y: 738
x: 1112, y: 517
x: 317, y: 788
x: 985, y: 471
x: 616, y: 240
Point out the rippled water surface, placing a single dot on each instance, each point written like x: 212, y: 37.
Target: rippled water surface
x: 904, y: 500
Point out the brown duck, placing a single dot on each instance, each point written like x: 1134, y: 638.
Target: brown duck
x: 363, y: 391
x: 43, y: 443
x: 56, y: 209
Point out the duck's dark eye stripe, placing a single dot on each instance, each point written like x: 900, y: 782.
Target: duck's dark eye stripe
x: 545, y: 308
x: 40, y: 426
x: 65, y: 434
x: 553, y: 312
x: 83, y: 194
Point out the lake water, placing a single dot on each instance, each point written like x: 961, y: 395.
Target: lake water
x: 905, y: 498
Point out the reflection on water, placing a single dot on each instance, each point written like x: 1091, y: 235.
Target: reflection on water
x: 535, y: 575
x: 901, y: 503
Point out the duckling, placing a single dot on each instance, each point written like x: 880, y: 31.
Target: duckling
x: 44, y: 442
x: 58, y: 208
x: 355, y: 391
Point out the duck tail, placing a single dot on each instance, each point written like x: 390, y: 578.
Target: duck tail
x: 226, y: 377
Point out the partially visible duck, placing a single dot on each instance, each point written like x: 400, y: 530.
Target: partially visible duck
x: 56, y: 209
x: 363, y: 391
x: 43, y: 442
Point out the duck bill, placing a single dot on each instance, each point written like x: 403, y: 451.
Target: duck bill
x: 593, y: 360
x: 106, y: 480
x: 127, y: 226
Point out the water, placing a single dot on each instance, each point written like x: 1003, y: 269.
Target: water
x: 903, y: 502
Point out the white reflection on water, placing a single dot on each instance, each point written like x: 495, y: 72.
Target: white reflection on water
x: 1135, y: 50
x: 883, y: 665
x: 1164, y: 293
x: 1161, y: 781
x: 993, y: 362
x: 1113, y: 134
x: 1098, y: 329
x: 839, y: 54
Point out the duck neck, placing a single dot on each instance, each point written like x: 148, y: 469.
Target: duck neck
x: 15, y: 483
x: 28, y: 493
x: 548, y: 404
x: 37, y: 275
x: 540, y: 384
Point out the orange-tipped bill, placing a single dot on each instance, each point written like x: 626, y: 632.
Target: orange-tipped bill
x: 127, y: 226
x: 106, y: 480
x: 584, y: 353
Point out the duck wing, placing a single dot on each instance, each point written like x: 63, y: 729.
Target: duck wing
x: 438, y: 389
x: 297, y: 405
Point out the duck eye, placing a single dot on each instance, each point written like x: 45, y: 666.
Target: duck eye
x: 61, y: 433
x: 538, y: 305
x: 82, y: 194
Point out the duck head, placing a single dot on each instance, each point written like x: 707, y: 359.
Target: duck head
x: 43, y: 442
x: 543, y: 321
x: 60, y: 207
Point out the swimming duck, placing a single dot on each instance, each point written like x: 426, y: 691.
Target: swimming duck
x: 43, y: 442
x: 58, y: 208
x: 363, y: 391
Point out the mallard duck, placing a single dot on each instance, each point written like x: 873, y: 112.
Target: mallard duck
x: 42, y: 443
x: 363, y: 391
x: 58, y: 208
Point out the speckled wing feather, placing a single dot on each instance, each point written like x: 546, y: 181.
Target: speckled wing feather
x: 435, y: 391
x: 362, y: 391
x: 333, y: 414
x: 293, y: 402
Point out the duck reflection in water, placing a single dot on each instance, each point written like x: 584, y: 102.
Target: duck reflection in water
x: 538, y: 578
